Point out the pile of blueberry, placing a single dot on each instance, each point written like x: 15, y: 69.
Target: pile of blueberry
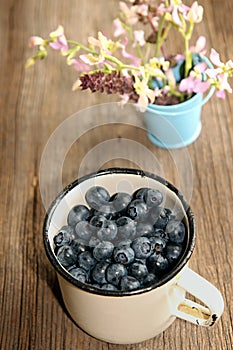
x: 120, y: 242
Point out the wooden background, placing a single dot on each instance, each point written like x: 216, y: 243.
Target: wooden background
x: 33, y: 104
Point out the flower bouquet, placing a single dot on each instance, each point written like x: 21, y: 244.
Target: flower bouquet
x: 136, y: 64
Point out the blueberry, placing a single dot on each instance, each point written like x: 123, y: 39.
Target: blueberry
x: 169, y: 213
x: 108, y: 232
x: 150, y: 196
x: 138, y: 270
x: 99, y: 272
x: 98, y: 220
x: 158, y: 244
x: 176, y: 231
x: 103, y: 250
x: 77, y: 213
x: 123, y: 255
x: 153, y: 197
x: 158, y: 232
x: 157, y: 264
x: 145, y: 229
x: 66, y: 256
x: 84, y: 230
x: 78, y: 245
x: 129, y: 283
x: 150, y: 279
x: 124, y: 243
x: 120, y: 201
x: 142, y: 247
x: 159, y: 217
x: 126, y: 227
x: 137, y: 210
x: 109, y: 286
x: 107, y: 212
x: 139, y: 193
x: 173, y: 252
x: 94, y: 241
x: 114, y: 273
x: 97, y: 196
x: 79, y: 273
x: 64, y: 236
x: 86, y: 260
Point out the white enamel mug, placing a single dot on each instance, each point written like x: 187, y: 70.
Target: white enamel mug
x: 134, y: 316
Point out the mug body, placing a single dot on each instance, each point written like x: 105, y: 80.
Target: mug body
x: 174, y: 126
x: 123, y: 319
x: 118, y: 316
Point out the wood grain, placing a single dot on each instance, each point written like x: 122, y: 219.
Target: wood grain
x: 33, y: 104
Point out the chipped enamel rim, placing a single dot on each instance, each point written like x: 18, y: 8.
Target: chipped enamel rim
x: 89, y: 288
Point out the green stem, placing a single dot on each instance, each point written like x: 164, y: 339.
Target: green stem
x: 187, y: 58
x: 165, y: 34
x: 158, y: 41
x: 164, y: 37
x: 139, y: 51
x: 188, y: 54
x: 120, y: 64
x: 176, y: 93
x: 148, y: 50
x: 72, y: 42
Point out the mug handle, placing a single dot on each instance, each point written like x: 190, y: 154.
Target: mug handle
x: 208, y: 294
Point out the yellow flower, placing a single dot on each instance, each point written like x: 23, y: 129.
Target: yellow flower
x: 105, y: 47
x: 91, y: 59
x: 76, y: 84
x: 56, y: 33
x: 30, y: 62
x: 146, y: 95
x: 156, y: 67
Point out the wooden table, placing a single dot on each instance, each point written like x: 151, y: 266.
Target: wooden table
x: 33, y: 104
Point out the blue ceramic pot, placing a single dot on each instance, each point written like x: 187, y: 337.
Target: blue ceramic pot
x: 176, y: 126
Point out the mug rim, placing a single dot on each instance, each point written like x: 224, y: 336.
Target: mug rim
x: 94, y: 290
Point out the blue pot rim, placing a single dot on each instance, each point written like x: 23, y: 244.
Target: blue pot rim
x: 89, y: 288
x: 174, y: 108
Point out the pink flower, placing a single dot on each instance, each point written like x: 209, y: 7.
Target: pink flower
x: 223, y: 85
x: 35, y: 41
x: 60, y: 42
x: 195, y: 14
x: 193, y: 84
x: 79, y: 65
x: 162, y: 9
x: 178, y: 7
x: 180, y: 57
x: 118, y: 28
x: 142, y: 10
x: 175, y: 16
x: 215, y: 58
x: 221, y: 94
x: 221, y: 67
x: 199, y: 68
x: 200, y: 46
x: 138, y: 38
x: 129, y: 13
